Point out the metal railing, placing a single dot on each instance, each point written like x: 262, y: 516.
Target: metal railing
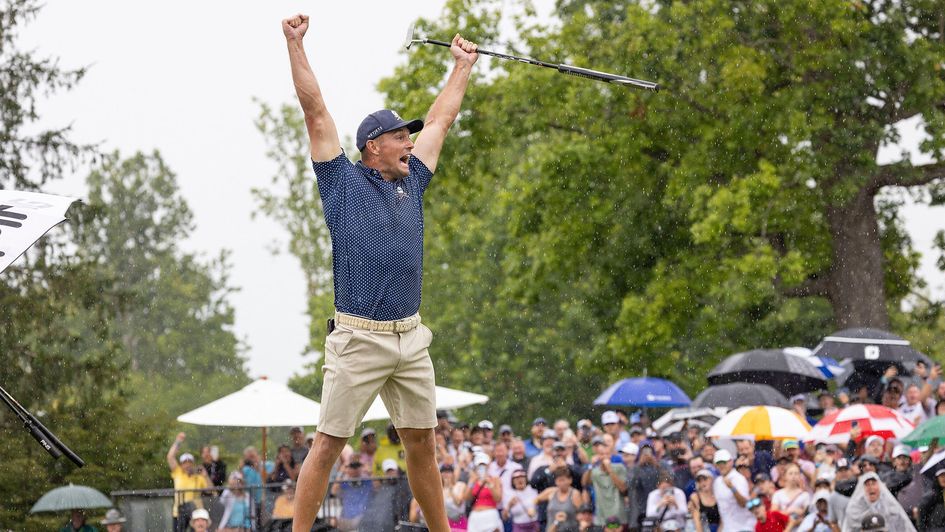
x: 385, y: 501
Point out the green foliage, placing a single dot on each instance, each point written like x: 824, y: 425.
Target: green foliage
x: 578, y: 232
x: 29, y: 157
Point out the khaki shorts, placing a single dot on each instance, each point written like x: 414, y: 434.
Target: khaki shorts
x: 360, y: 363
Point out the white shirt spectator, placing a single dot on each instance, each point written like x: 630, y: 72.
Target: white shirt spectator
x: 735, y: 518
x: 673, y: 513
x: 525, y: 500
x: 914, y: 413
x: 504, y: 473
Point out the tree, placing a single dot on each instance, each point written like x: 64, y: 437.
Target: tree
x: 577, y: 231
x: 172, y: 316
x: 29, y: 159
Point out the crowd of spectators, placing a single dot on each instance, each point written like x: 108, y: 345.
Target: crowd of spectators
x: 614, y: 472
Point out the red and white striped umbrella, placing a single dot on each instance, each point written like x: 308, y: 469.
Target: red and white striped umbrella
x: 871, y: 419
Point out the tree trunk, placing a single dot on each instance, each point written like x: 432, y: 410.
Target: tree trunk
x: 856, y: 287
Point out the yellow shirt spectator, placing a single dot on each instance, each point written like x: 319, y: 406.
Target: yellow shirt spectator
x: 387, y: 449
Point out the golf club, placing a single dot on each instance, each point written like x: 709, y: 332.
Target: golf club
x: 38, y: 431
x: 564, y: 69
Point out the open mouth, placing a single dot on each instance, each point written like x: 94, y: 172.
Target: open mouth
x: 405, y: 159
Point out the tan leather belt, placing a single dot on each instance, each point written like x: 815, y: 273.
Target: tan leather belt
x: 395, y: 326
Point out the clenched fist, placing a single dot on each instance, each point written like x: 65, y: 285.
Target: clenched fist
x: 295, y: 27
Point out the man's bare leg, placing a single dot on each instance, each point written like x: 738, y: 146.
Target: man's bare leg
x: 424, y: 476
x: 313, y: 480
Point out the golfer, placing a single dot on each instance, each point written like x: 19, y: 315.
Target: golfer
x: 374, y: 213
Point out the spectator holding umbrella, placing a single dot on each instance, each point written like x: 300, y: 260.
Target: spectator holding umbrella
x: 77, y: 523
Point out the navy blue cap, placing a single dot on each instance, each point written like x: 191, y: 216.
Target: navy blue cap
x: 380, y: 122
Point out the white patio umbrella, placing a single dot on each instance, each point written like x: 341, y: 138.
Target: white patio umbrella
x: 262, y: 403
x: 446, y: 399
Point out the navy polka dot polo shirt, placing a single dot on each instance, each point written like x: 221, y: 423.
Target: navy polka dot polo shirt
x: 376, y: 231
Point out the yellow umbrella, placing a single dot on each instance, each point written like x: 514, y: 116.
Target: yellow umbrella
x: 761, y: 423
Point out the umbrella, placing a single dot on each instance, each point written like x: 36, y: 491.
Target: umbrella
x: 786, y: 373
x: 446, y: 399
x: 828, y: 366
x: 874, y: 347
x: 761, y: 422
x: 872, y: 420
x: 683, y: 414
x: 24, y: 218
x: 647, y: 392
x: 71, y: 497
x: 681, y: 425
x: 926, y: 432
x: 262, y: 403
x: 736, y: 394
x: 933, y: 464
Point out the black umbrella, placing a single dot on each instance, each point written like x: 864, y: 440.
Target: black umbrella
x: 873, y: 348
x: 785, y: 373
x: 736, y: 394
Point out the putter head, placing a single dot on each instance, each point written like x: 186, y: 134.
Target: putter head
x: 412, y: 37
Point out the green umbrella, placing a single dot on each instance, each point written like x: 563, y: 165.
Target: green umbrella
x: 924, y: 434
x: 71, y: 497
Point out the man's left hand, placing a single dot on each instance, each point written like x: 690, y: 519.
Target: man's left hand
x: 464, y: 51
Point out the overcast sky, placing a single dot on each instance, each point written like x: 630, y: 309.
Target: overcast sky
x: 180, y: 77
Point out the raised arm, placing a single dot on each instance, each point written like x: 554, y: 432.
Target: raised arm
x: 172, y: 452
x: 446, y: 106
x: 322, y: 133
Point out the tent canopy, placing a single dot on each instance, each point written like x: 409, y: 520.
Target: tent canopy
x: 262, y: 403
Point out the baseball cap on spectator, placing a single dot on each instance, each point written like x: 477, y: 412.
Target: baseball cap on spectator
x: 310, y: 436
x: 380, y: 122
x: 549, y: 434
x: 293, y: 430
x: 708, y: 474
x: 901, y: 450
x: 355, y: 463
x: 389, y: 464
x: 539, y: 421
x: 646, y: 444
x: 722, y: 456
x: 584, y: 424
x: 868, y: 458
x: 505, y: 429
x: 200, y: 513
x: 475, y: 449
x: 113, y: 517
x: 186, y: 457
x: 486, y: 424
x: 940, y: 471
x: 441, y: 414
x: 821, y: 495
x: 481, y: 459
x: 635, y: 417
x: 822, y: 480
x: 597, y: 440
x: 614, y: 522
x: 871, y: 439
x: 630, y: 448
x: 790, y: 444
x: 519, y: 473
x: 609, y: 417
x: 236, y: 475
x: 559, y: 445
x: 449, y: 467
x: 368, y: 432
x: 675, y: 437
x: 585, y: 509
x: 798, y: 397
x: 831, y: 448
x: 842, y: 463
x: 760, y: 477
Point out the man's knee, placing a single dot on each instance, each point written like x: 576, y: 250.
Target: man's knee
x: 416, y: 438
x: 326, y: 448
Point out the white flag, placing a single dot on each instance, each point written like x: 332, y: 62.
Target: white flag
x: 24, y: 218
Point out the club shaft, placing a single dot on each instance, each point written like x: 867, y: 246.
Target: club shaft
x: 567, y: 69
x: 39, y: 432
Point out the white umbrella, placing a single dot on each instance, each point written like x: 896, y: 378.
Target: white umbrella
x: 262, y: 403
x: 667, y: 423
x: 24, y: 218
x: 446, y: 399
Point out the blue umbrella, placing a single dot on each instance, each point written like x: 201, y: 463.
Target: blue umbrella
x: 648, y: 392
x: 828, y: 366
